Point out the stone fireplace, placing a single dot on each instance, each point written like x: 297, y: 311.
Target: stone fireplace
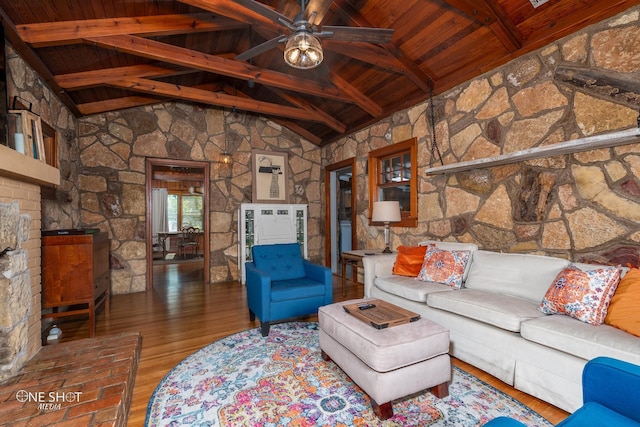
x: 20, y: 265
x: 15, y: 289
x: 24, y: 364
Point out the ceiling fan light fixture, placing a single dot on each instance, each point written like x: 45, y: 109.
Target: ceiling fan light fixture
x: 303, y: 50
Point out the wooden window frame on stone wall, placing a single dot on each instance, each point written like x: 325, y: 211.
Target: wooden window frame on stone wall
x: 410, y: 146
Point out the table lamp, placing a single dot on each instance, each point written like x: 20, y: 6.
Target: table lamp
x: 386, y: 212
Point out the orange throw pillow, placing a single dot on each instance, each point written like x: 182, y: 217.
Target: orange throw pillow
x: 624, y: 309
x: 409, y: 260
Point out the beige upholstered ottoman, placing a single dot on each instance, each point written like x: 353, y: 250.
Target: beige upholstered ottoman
x: 386, y: 363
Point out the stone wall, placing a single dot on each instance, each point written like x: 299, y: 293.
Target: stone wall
x: 113, y: 149
x: 580, y: 206
x: 60, y: 207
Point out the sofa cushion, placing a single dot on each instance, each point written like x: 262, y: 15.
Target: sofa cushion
x: 580, y: 339
x: 518, y: 275
x: 280, y: 261
x: 584, y: 295
x: 455, y: 246
x: 503, y: 311
x: 409, y: 260
x: 408, y: 287
x: 444, y: 266
x: 623, y: 310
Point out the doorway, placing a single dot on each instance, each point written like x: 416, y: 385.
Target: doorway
x: 177, y: 206
x: 340, y: 212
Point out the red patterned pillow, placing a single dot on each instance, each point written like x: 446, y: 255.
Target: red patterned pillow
x: 446, y: 267
x: 409, y: 260
x: 582, y: 294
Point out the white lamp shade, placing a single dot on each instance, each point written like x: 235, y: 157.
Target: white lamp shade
x: 386, y: 211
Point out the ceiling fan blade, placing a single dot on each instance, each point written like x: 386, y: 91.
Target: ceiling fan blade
x: 358, y: 34
x: 261, y: 48
x: 263, y: 10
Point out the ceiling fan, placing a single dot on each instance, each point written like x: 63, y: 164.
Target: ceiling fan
x: 302, y: 47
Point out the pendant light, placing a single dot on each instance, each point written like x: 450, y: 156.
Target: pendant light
x: 225, y: 161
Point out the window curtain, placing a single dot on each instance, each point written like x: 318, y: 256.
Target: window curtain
x: 159, y: 218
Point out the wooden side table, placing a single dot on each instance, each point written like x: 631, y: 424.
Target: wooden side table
x: 354, y: 259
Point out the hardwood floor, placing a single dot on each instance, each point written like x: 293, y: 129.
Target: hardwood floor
x: 181, y: 315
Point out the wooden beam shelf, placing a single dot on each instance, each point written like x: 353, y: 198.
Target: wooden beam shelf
x: 18, y: 166
x: 624, y: 137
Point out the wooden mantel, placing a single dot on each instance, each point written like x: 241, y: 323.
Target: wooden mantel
x: 23, y: 168
x: 595, y: 142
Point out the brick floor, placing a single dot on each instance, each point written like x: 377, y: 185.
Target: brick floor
x: 87, y: 382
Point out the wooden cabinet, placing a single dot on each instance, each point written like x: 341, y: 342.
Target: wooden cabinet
x: 75, y: 273
x: 267, y: 224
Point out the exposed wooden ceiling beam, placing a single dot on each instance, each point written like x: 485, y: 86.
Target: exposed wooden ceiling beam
x: 320, y: 7
x: 490, y: 14
x: 211, y: 98
x: 114, y: 104
x: 133, y: 101
x: 289, y: 124
x: 365, y: 103
x: 234, y: 11
x: 237, y: 69
x: 295, y: 127
x: 68, y: 32
x: 322, y: 116
x: 93, y: 78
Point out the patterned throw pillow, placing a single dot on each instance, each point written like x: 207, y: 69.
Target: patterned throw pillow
x: 409, y: 260
x: 583, y: 295
x: 446, y: 267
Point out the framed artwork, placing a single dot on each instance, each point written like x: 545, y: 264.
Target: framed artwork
x: 270, y: 177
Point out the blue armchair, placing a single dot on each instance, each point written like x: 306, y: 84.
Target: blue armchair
x: 281, y: 284
x: 610, y: 393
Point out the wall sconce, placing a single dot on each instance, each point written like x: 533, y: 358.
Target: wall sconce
x: 225, y: 165
x: 386, y: 212
x: 225, y: 161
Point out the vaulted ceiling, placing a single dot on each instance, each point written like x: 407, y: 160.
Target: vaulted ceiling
x: 106, y: 55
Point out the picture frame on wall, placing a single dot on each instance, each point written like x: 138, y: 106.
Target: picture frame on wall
x: 270, y: 176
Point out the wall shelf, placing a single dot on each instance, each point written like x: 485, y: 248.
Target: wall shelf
x: 17, y: 165
x: 628, y: 136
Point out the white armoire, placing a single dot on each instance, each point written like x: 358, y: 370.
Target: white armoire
x: 260, y: 223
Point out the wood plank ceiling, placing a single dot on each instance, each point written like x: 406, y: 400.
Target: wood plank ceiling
x: 105, y: 55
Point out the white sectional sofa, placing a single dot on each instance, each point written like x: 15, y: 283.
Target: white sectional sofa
x: 495, y: 323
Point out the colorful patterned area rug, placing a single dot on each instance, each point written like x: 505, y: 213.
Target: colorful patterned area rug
x: 281, y: 380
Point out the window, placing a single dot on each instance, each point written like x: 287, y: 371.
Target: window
x: 172, y: 212
x: 393, y: 176
x: 184, y: 211
x: 192, y: 211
